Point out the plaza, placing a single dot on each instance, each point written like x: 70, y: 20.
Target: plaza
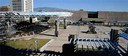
x: 27, y: 28
x: 57, y: 43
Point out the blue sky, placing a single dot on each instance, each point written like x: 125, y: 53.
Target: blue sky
x: 90, y: 5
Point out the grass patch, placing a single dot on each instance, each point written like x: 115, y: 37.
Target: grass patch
x: 61, y: 25
x: 26, y: 44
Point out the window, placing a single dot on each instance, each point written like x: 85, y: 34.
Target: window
x: 92, y: 14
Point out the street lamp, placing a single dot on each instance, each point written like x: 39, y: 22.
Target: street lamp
x: 36, y: 44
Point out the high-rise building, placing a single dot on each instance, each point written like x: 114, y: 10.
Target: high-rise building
x: 22, y: 5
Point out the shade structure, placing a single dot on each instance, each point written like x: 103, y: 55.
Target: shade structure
x: 123, y: 35
x: 59, y: 14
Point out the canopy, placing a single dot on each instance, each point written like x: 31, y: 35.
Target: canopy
x: 60, y: 14
x: 124, y: 35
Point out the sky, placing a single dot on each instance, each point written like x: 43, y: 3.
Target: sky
x: 89, y: 5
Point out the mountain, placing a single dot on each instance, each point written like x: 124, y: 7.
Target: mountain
x: 39, y: 9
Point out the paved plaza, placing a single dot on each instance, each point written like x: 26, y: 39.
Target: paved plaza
x: 57, y: 43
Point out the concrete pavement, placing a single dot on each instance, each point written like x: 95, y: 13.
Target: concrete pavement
x: 58, y: 42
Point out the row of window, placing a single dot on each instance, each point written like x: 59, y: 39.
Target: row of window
x: 16, y: 0
x: 16, y: 4
x: 16, y: 9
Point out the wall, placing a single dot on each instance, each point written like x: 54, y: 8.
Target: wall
x: 113, y: 16
x: 77, y: 15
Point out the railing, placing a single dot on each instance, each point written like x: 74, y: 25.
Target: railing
x: 98, y: 44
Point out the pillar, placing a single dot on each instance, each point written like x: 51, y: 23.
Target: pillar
x: 56, y: 28
x: 65, y: 25
x: 114, y: 35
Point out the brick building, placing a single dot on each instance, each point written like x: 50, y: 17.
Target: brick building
x: 5, y: 8
x: 102, y: 15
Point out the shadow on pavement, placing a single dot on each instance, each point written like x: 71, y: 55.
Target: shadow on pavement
x: 47, y: 34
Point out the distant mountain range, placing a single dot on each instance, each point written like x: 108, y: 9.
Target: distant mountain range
x: 40, y: 9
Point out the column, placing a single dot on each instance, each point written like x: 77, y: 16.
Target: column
x: 114, y: 35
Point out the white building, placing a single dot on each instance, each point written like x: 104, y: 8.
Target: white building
x: 22, y: 5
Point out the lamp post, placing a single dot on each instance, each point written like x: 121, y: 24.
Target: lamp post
x: 36, y: 44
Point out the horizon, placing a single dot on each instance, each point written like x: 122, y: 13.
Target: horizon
x: 86, y: 5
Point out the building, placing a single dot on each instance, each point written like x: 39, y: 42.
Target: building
x: 113, y: 16
x: 22, y: 5
x: 100, y: 15
x: 5, y: 8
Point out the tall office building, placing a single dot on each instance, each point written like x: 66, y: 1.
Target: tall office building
x: 22, y: 5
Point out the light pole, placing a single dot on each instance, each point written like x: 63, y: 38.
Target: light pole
x: 36, y: 44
